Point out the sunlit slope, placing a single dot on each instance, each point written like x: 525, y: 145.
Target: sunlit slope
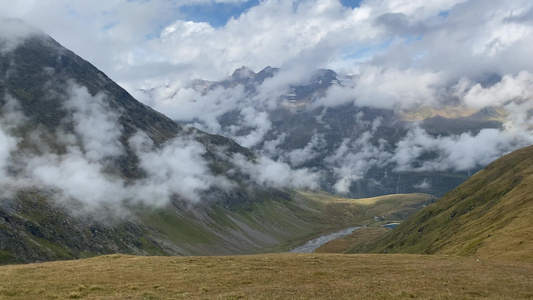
x: 391, y: 207
x: 273, y: 276
x: 489, y: 216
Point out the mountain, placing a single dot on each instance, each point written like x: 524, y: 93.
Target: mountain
x: 488, y: 216
x: 86, y: 169
x: 55, y: 101
x: 81, y: 159
x: 361, y: 148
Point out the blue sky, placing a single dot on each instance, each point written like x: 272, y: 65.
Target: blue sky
x: 218, y: 14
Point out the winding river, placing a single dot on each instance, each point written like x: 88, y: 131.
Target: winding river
x: 312, y: 245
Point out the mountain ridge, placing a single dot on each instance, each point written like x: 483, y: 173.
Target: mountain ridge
x: 315, y: 119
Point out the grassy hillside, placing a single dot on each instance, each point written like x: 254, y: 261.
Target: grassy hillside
x: 489, y: 216
x: 33, y: 229
x: 273, y: 276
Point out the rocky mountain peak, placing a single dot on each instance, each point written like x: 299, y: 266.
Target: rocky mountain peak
x: 243, y: 73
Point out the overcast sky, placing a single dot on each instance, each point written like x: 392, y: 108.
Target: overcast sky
x: 145, y: 43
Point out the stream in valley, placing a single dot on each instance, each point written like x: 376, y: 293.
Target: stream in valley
x: 312, y: 245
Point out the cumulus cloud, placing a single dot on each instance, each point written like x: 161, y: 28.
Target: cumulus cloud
x: 73, y: 176
x: 155, y: 39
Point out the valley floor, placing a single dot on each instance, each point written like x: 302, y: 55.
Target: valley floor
x: 271, y: 276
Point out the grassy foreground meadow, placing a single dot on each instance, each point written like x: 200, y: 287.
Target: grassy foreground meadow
x: 271, y: 276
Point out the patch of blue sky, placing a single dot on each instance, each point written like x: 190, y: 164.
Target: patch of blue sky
x: 444, y: 13
x: 362, y: 53
x: 216, y: 14
x: 351, y: 3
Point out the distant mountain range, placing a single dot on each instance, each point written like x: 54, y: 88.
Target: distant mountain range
x: 359, y: 150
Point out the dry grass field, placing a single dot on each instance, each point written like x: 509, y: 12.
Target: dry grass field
x: 272, y: 276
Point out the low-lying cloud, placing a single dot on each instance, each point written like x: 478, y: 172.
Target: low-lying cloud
x: 86, y: 168
x: 244, y: 113
x: 13, y: 32
x: 459, y: 152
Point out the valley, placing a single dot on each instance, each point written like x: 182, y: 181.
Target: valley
x: 33, y: 227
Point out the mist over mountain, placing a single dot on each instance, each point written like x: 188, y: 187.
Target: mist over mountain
x: 468, y: 60
x: 68, y: 129
x: 363, y: 140
x: 85, y: 169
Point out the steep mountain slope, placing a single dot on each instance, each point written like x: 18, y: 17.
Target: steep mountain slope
x: 488, y: 216
x: 38, y: 79
x: 80, y: 158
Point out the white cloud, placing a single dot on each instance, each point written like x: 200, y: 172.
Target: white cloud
x: 386, y: 88
x: 13, y: 32
x: 95, y: 123
x: 7, y: 145
x: 85, y: 169
x: 150, y: 43
x: 77, y: 178
x: 311, y: 150
x: 353, y: 158
x: 423, y: 185
x: 81, y: 171
x: 176, y: 169
x: 268, y: 172
x: 458, y: 152
x: 517, y: 88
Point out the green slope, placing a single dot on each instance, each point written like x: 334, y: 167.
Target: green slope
x: 33, y: 228
x: 489, y: 216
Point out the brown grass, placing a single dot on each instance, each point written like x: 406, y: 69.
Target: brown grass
x: 273, y: 276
